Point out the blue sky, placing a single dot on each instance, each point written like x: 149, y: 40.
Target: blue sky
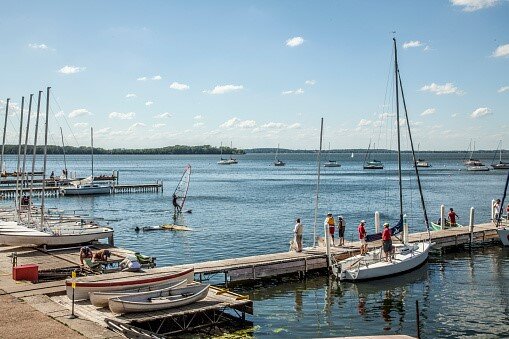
x: 259, y: 73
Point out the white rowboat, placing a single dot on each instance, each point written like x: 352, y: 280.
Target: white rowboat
x: 158, y: 300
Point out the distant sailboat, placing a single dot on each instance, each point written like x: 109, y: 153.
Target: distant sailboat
x: 501, y: 164
x: 373, y: 164
x: 351, y: 155
x: 330, y: 162
x: 421, y: 162
x: 474, y: 165
x: 278, y: 162
x: 223, y: 161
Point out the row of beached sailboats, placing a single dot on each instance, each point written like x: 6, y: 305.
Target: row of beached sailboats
x: 26, y: 224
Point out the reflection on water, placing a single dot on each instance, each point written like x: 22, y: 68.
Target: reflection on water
x: 459, y: 294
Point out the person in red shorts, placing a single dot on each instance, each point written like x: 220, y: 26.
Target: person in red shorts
x: 329, y: 222
x: 387, y: 242
x: 452, y: 217
x: 362, y: 237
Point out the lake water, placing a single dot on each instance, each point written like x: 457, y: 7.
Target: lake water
x: 250, y: 208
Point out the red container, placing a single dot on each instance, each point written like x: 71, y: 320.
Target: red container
x: 26, y: 272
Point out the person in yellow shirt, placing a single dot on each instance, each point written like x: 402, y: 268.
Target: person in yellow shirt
x: 331, y: 224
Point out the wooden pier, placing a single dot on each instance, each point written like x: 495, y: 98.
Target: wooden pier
x: 55, y: 191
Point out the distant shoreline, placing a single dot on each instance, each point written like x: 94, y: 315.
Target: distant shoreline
x: 204, y: 150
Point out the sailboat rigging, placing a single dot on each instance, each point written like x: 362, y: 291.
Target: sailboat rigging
x: 502, y: 165
x: 407, y: 256
x: 371, y: 164
x: 278, y: 162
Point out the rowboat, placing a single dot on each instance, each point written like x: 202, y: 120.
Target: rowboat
x: 101, y: 299
x: 158, y: 300
x: 123, y: 281
x: 437, y: 227
x: 167, y: 227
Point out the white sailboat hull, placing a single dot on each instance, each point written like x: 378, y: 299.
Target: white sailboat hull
x: 370, y: 267
x: 503, y: 233
x: 87, y: 190
x: 29, y: 236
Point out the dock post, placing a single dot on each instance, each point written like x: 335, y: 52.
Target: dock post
x: 111, y: 242
x: 405, y: 229
x: 492, y: 209
x: 377, y: 221
x: 442, y: 216
x: 327, y: 242
x: 471, y: 224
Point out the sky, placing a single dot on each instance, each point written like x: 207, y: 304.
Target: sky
x: 259, y: 73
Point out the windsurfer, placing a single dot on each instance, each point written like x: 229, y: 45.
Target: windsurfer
x: 176, y: 207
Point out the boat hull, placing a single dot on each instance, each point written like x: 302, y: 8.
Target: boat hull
x: 156, y: 301
x: 503, y: 233
x: 378, y: 269
x: 96, y: 190
x: 84, y: 286
x: 27, y: 236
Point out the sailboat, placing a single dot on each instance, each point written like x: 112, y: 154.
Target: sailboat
x: 278, y: 162
x: 501, y: 164
x: 372, y: 164
x: 180, y: 193
x: 330, y: 162
x: 16, y: 233
x: 472, y: 164
x: 421, y: 162
x: 86, y: 186
x: 223, y: 161
x: 407, y: 256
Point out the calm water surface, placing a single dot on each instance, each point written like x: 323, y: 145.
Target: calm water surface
x: 249, y: 209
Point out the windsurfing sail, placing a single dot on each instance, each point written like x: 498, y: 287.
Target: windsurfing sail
x: 180, y: 193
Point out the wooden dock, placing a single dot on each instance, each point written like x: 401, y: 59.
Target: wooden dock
x: 55, y: 191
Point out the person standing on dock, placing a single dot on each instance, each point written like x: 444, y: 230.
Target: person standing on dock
x: 341, y: 230
x: 452, y: 217
x: 362, y: 237
x: 387, y: 242
x: 496, y: 209
x: 329, y: 222
x: 298, y: 230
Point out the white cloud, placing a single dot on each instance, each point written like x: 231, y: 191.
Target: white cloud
x: 480, y: 112
x: 295, y: 41
x: 131, y: 95
x: 164, y: 115
x: 503, y: 89
x: 297, y: 92
x: 103, y: 130
x: 454, y: 115
x: 474, y: 5
x: 80, y: 124
x: 427, y: 48
x: 122, y: 116
x: 57, y: 114
x: 412, y: 43
x: 79, y: 113
x: 448, y: 88
x: 38, y: 46
x: 295, y: 125
x: 198, y: 117
x: 198, y: 124
x: 275, y: 125
x: 158, y: 125
x: 149, y: 103
x: 310, y: 82
x: 238, y: 123
x: 71, y: 69
x: 501, y: 51
x: 225, y: 89
x: 157, y: 77
x: 428, y: 111
x: 178, y: 86
x: 136, y: 125
x: 364, y: 122
x: 142, y: 79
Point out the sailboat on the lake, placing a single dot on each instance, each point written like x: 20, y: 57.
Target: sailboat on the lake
x: 87, y: 186
x: 472, y: 164
x: 406, y: 256
x: 277, y: 161
x: 224, y: 161
x: 501, y: 165
x: 330, y: 162
x: 421, y: 162
x: 371, y: 164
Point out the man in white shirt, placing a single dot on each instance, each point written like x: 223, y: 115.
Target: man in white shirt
x: 298, y: 230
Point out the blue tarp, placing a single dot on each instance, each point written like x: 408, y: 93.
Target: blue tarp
x: 394, y: 230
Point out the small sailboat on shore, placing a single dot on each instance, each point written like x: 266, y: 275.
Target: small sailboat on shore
x: 406, y: 256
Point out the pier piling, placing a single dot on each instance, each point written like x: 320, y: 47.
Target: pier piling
x: 377, y: 222
x: 471, y: 224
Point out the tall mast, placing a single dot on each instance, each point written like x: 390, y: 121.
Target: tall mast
x: 63, y: 147
x: 317, y: 184
x: 18, y: 196
x: 34, y: 151
x: 92, y: 143
x: 5, y: 130
x: 45, y: 155
x: 24, y: 176
x: 398, y: 127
